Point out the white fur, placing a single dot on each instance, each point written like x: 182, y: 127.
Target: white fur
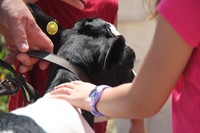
x: 114, y: 30
x: 55, y: 116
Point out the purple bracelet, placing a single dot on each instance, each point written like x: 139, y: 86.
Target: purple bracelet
x: 94, y: 97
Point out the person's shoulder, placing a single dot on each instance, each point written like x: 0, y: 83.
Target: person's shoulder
x: 183, y: 16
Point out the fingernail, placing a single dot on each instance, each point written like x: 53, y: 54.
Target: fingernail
x: 23, y: 47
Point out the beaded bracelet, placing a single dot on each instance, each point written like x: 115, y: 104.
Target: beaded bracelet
x: 94, y: 97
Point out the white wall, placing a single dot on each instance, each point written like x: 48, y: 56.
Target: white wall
x: 138, y: 31
x: 132, y: 10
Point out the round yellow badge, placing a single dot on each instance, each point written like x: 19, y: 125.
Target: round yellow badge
x: 52, y: 28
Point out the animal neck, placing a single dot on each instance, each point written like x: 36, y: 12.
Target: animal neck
x: 79, y: 73
x: 61, y: 75
x: 59, y: 61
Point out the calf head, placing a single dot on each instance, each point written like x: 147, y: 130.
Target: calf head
x: 104, y: 57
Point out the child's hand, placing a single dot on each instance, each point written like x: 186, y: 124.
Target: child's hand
x: 75, y: 92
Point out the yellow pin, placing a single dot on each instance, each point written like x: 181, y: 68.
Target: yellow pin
x: 52, y: 28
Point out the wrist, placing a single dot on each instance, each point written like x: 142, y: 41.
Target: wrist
x: 94, y: 97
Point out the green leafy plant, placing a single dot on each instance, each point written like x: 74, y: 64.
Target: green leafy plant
x: 3, y: 74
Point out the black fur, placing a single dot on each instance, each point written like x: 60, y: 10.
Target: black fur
x: 105, y: 59
x: 11, y: 123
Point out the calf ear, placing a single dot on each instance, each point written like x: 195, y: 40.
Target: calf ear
x: 48, y: 25
x: 115, y: 52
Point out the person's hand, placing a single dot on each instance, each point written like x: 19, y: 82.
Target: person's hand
x: 75, y: 3
x: 75, y: 92
x: 22, y: 34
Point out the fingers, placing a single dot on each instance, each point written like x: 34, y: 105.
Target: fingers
x: 77, y: 82
x: 69, y: 85
x: 19, y: 35
x: 75, y: 92
x: 37, y: 38
x: 27, y: 62
x: 43, y: 65
x: 62, y: 96
x: 39, y: 41
x: 11, y: 56
x: 24, y: 34
x: 24, y: 69
x: 66, y: 88
x: 63, y: 91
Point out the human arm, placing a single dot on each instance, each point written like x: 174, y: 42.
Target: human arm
x: 137, y: 126
x: 144, y: 97
x: 21, y: 33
